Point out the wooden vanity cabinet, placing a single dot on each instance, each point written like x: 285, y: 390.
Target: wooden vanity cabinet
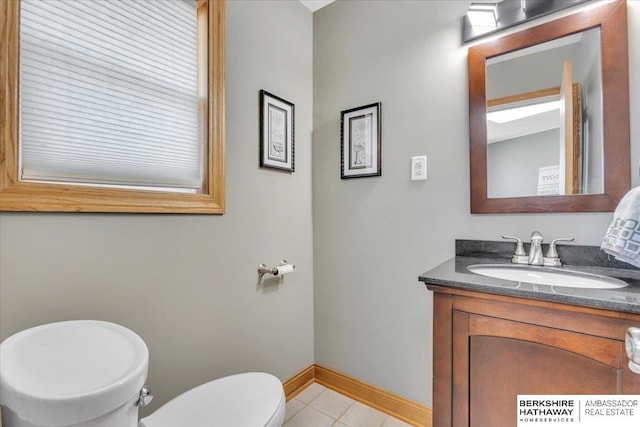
x: 487, y: 349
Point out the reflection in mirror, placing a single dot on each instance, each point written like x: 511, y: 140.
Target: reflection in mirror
x: 576, y: 67
x: 542, y: 139
x: 524, y: 145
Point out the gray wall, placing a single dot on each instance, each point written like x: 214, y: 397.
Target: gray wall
x: 374, y: 236
x: 513, y: 165
x: 535, y: 71
x: 186, y: 283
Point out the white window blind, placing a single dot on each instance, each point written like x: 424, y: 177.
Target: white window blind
x: 109, y: 93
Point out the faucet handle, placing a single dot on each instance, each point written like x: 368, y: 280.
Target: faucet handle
x: 519, y: 247
x: 552, y: 252
x: 552, y: 259
x: 519, y: 256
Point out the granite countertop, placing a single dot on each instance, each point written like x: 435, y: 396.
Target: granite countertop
x: 453, y: 273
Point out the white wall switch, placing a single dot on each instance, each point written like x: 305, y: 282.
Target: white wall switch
x: 419, y: 168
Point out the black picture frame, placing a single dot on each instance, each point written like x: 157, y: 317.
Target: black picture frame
x: 277, y: 132
x: 361, y: 141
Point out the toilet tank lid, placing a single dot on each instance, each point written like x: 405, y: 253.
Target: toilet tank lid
x: 70, y: 372
x: 249, y: 399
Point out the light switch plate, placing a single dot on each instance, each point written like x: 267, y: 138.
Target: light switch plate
x: 419, y: 168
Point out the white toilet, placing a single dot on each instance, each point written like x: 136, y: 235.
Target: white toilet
x: 88, y: 373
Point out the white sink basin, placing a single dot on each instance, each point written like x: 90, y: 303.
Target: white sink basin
x: 547, y: 276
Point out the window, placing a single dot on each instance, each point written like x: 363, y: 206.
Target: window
x: 113, y: 106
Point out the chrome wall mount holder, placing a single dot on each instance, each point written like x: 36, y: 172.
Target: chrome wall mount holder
x: 274, y: 271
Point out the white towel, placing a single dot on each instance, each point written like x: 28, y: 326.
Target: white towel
x: 623, y: 236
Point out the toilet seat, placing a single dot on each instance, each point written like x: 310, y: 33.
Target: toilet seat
x: 252, y: 399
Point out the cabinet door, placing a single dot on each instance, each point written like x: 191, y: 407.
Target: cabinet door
x: 494, y: 360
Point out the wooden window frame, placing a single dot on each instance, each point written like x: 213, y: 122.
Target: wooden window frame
x: 16, y: 195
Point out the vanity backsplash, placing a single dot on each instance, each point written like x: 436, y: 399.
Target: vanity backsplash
x: 577, y: 255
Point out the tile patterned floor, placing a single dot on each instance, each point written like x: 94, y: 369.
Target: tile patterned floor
x: 318, y: 406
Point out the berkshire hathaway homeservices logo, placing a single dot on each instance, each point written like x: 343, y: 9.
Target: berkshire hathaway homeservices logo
x: 579, y: 410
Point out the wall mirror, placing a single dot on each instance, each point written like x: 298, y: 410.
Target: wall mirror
x: 549, y: 116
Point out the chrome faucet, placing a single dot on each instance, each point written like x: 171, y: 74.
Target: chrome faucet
x: 535, y: 252
x: 535, y: 256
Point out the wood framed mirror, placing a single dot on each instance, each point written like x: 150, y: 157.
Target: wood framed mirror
x: 608, y: 109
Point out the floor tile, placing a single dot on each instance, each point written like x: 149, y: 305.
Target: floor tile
x: 309, y: 417
x: 293, y: 407
x: 359, y: 415
x: 311, y: 392
x: 394, y: 422
x: 331, y: 403
x: 319, y: 406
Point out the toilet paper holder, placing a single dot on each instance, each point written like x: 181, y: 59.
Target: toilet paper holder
x: 280, y: 270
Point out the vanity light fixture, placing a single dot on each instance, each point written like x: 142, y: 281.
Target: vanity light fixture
x: 483, y: 15
x: 511, y: 114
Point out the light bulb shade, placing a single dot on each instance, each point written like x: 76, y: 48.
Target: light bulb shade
x: 483, y: 15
